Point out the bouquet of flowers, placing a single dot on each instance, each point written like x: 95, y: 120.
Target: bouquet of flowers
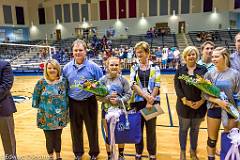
x: 92, y: 86
x: 204, y: 85
x: 236, y: 98
x: 207, y: 87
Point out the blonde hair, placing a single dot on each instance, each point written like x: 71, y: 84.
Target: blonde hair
x: 111, y: 58
x: 143, y: 45
x: 188, y: 50
x: 238, y: 34
x: 55, y: 65
x: 225, y: 53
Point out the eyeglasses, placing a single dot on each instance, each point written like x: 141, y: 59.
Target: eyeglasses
x: 116, y: 65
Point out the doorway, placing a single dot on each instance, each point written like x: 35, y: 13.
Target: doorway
x: 181, y: 27
x: 58, y: 34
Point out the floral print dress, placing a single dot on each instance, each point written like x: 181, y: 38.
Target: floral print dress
x: 51, y: 100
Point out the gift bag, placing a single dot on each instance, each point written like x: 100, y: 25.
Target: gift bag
x: 128, y: 131
x: 155, y: 111
x: 230, y: 149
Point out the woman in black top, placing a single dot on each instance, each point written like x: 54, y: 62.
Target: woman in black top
x: 190, y: 106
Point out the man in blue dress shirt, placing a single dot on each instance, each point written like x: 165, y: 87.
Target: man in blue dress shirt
x: 83, y: 105
x: 235, y: 57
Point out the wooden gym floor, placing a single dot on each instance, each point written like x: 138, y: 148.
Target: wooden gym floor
x: 31, y: 140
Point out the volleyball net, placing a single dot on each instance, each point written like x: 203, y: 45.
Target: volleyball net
x: 26, y: 57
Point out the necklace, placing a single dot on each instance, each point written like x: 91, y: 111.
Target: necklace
x: 144, y: 79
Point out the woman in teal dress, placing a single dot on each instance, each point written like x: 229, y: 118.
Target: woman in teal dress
x: 50, y: 98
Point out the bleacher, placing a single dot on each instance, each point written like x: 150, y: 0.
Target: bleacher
x: 162, y: 41
x: 25, y: 60
x: 223, y: 38
x: 64, y: 43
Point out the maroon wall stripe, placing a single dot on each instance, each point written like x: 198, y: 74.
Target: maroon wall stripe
x: 237, y: 4
x: 103, y: 10
x: 122, y: 9
x: 132, y: 8
x: 113, y: 10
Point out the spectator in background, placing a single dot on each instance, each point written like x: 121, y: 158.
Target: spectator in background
x: 176, y: 59
x: 115, y: 52
x: 130, y: 55
x: 109, y: 43
x: 158, y: 55
x: 191, y: 108
x: 149, y: 33
x: 170, y: 57
x: 104, y: 42
x: 7, y: 108
x: 51, y: 100
x: 206, y: 56
x: 164, y: 57
x: 235, y: 57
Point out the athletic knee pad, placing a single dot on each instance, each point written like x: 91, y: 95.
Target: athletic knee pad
x: 211, y: 143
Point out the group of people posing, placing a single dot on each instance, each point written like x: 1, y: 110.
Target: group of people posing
x: 55, y: 99
x: 223, y: 70
x: 57, y: 102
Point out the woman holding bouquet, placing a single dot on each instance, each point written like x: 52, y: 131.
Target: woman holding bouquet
x: 145, y: 82
x: 228, y: 81
x: 118, y: 88
x: 191, y: 108
x: 51, y: 100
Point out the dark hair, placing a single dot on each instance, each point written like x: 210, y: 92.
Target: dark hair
x: 207, y: 42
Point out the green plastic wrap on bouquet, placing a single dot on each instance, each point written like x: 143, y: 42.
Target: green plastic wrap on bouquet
x: 202, y: 84
x: 93, y: 87
x: 231, y: 109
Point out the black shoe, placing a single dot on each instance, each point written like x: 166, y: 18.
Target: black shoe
x: 93, y: 158
x: 109, y: 157
x: 152, y: 157
x: 78, y: 158
x: 138, y: 157
x: 59, y: 159
x: 121, y: 157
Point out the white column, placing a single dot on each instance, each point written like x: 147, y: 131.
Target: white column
x: 158, y: 7
x: 137, y: 9
x: 117, y: 8
x: 127, y: 8
x: 190, y: 6
x: 179, y: 7
x: 169, y: 7
x: 108, y: 10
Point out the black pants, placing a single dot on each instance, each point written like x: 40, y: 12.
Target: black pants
x: 184, y: 125
x: 84, y: 111
x: 53, y: 140
x: 150, y: 133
